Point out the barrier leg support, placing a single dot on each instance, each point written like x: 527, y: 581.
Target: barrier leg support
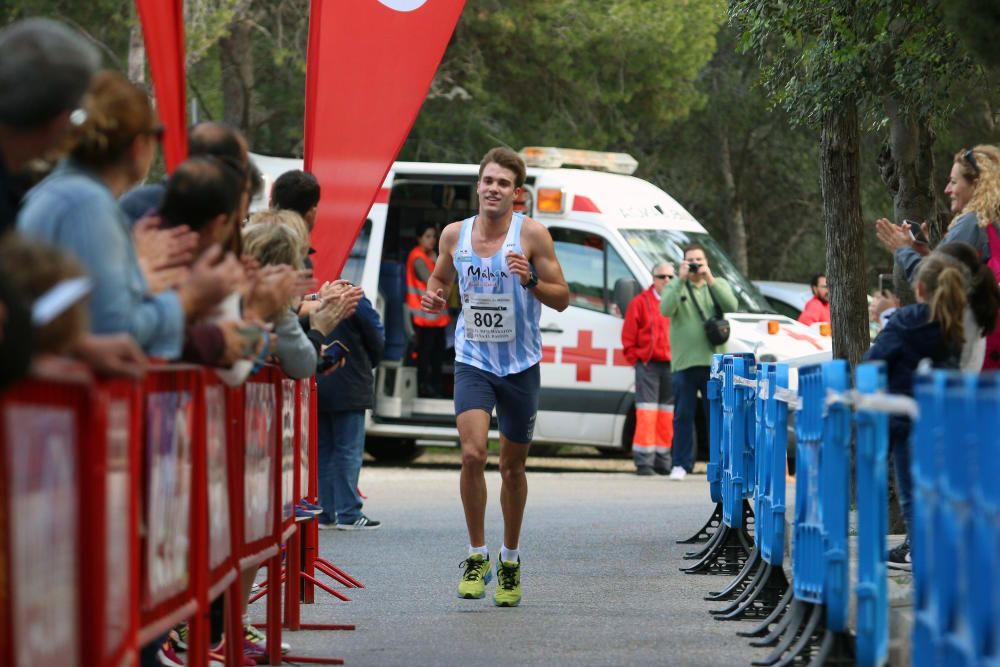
x: 750, y: 585
x: 729, y: 555
x: 328, y: 567
x: 836, y: 648
x: 337, y: 574
x: 793, y: 618
x: 742, y: 581
x: 801, y: 616
x: 706, y: 547
x: 709, y: 529
x: 764, y: 598
x: 805, y: 641
x: 779, y: 609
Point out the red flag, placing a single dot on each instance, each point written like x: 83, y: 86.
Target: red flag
x: 163, y: 30
x: 370, y: 63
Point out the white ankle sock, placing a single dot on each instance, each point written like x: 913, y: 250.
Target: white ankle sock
x: 509, y: 555
x: 479, y: 550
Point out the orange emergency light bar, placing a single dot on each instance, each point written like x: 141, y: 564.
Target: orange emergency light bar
x: 549, y: 157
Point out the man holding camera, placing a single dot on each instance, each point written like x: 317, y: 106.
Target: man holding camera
x: 695, y: 299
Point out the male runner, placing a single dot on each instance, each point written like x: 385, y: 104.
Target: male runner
x: 507, y: 268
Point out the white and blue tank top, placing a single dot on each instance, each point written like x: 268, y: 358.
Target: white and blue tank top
x: 498, y: 330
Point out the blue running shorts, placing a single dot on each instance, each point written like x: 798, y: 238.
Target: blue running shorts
x: 515, y: 397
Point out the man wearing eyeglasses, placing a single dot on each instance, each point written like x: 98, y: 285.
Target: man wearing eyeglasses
x: 646, y: 342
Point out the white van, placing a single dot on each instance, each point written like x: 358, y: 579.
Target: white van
x: 609, y: 230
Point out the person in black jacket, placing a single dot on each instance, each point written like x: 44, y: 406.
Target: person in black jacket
x: 931, y: 329
x: 343, y: 398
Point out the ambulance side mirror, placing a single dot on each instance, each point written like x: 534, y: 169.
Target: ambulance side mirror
x: 625, y: 290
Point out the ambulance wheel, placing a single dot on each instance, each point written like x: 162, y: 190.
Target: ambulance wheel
x: 628, y: 431
x: 393, y: 450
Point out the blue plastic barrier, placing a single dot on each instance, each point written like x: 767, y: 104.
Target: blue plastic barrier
x: 715, y: 429
x: 760, y: 452
x: 809, y: 562
x: 956, y: 540
x: 985, y: 599
x: 771, y: 456
x: 954, y: 531
x: 926, y: 439
x: 872, y: 632
x: 748, y: 451
x: 736, y: 418
x: 836, y: 487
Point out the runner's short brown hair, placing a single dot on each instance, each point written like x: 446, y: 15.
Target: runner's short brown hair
x: 508, y: 159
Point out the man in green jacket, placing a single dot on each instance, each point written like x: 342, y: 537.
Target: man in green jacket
x: 691, y: 353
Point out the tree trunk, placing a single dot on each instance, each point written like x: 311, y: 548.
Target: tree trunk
x: 845, y: 231
x: 136, y: 53
x: 731, y: 204
x: 236, y: 58
x: 907, y: 168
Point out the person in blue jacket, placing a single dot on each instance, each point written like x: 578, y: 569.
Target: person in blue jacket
x: 344, y: 395
x: 932, y: 329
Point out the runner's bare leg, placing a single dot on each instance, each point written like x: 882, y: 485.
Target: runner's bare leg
x: 473, y: 431
x: 513, y: 489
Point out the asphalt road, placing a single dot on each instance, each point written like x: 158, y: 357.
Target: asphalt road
x: 600, y: 575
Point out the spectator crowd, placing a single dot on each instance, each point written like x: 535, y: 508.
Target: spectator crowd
x: 118, y: 274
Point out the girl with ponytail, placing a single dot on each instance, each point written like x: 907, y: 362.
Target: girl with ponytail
x: 984, y: 302
x: 934, y: 329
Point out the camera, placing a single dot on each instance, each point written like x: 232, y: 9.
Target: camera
x: 694, y: 267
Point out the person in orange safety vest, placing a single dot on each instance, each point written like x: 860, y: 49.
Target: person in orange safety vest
x: 646, y: 342
x: 429, y: 328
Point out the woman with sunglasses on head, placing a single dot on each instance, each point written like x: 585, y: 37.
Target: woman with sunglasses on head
x: 974, y: 191
x: 115, y: 137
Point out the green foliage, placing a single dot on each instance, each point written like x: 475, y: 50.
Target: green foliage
x: 815, y: 52
x: 977, y: 22
x: 581, y: 73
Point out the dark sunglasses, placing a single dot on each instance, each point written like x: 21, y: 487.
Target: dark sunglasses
x: 663, y: 276
x: 969, y: 157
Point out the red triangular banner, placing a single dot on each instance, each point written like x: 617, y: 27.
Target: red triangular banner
x: 370, y: 63
x: 163, y: 30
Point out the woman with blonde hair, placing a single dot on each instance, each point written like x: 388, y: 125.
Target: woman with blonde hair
x: 115, y: 137
x: 934, y: 329
x: 973, y: 190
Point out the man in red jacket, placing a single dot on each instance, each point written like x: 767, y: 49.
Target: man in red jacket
x: 646, y: 339
x: 817, y: 308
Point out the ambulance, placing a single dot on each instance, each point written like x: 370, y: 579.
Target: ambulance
x: 609, y: 229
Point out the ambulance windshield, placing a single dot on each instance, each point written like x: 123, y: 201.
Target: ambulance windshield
x: 655, y: 245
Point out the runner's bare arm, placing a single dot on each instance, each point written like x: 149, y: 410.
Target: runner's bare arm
x: 551, y: 289
x: 435, y: 300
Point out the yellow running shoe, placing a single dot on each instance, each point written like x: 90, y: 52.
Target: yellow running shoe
x: 477, y: 575
x: 508, y: 592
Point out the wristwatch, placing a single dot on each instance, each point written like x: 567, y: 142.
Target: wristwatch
x: 532, y: 280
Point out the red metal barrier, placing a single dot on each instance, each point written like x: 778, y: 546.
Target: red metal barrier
x: 43, y: 429
x: 110, y: 476
x: 210, y: 473
x: 174, y: 513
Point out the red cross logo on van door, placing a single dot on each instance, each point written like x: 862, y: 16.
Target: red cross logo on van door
x: 585, y: 355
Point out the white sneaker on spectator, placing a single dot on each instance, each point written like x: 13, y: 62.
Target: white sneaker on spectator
x: 677, y: 473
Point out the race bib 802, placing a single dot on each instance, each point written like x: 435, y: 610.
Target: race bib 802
x: 489, y: 318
